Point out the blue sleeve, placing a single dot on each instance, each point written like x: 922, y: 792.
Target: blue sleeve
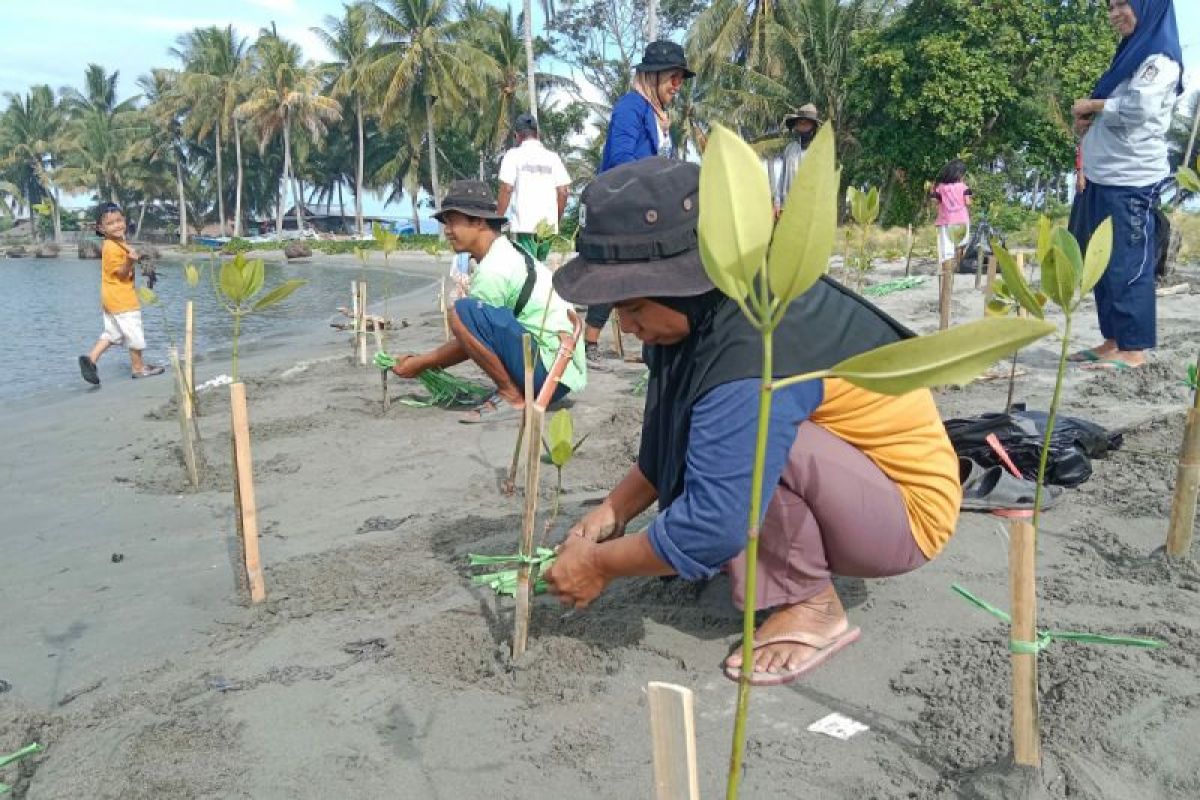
x: 705, y: 526
x: 624, y: 132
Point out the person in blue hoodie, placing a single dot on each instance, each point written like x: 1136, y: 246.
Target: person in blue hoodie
x: 1123, y: 126
x: 639, y: 128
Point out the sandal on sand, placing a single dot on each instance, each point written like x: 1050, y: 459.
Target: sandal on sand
x: 996, y: 489
x: 1084, y: 356
x: 825, y: 649
x: 148, y: 371
x: 1112, y: 365
x: 493, y: 409
x: 87, y: 368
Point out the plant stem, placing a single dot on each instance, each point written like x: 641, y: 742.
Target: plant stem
x: 750, y: 596
x: 237, y: 327
x: 1050, y: 419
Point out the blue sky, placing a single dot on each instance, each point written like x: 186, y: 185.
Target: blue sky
x: 54, y: 43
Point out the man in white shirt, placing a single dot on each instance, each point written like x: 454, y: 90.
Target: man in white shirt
x: 802, y: 124
x: 533, y: 187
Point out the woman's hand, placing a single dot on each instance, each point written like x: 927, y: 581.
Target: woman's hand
x: 575, y: 577
x: 599, y: 524
x: 1086, y: 107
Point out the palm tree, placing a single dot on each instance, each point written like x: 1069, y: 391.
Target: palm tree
x: 214, y: 63
x: 348, y: 38
x: 30, y: 129
x: 731, y: 31
x: 417, y: 61
x: 160, y: 140
x: 286, y: 93
x: 530, y: 63
x: 96, y: 136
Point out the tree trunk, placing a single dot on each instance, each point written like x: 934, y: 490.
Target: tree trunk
x: 57, y: 218
x: 141, y: 217
x: 651, y: 20
x: 358, y: 171
x: 342, y: 203
x: 530, y: 63
x: 285, y: 179
x: 290, y: 170
x: 237, y: 196
x: 413, y: 191
x: 220, y: 183
x: 433, y: 165
x: 183, y: 236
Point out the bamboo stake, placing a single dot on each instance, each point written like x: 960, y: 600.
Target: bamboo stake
x: 189, y: 363
x: 533, y: 461
x: 979, y: 264
x: 616, y: 331
x: 243, y: 492
x: 1021, y: 570
x: 989, y: 284
x: 360, y: 324
x: 908, y: 259
x: 1187, y: 486
x: 945, y: 292
x: 673, y: 731
x: 383, y: 373
x: 186, y: 422
x: 445, y: 309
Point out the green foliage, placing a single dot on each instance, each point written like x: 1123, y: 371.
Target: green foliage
x: 561, y: 445
x: 238, y: 283
x: 1192, y: 381
x: 334, y: 247
x: 864, y: 210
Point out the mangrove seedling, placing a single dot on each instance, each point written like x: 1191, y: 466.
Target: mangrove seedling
x: 864, y: 209
x: 763, y: 268
x: 561, y: 448
x: 237, y: 284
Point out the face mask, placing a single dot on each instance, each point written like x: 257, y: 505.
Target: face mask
x: 806, y: 137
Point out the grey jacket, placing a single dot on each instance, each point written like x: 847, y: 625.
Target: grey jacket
x: 1127, y: 143
x: 793, y: 154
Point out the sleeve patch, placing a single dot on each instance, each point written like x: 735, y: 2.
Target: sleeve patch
x: 1148, y: 73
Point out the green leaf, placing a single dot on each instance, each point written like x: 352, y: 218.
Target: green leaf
x: 735, y: 211
x: 561, y: 432
x: 1099, y: 251
x: 953, y: 356
x: 1059, y: 279
x: 147, y: 297
x: 191, y: 275
x: 279, y: 293
x: 1014, y: 281
x: 804, y: 238
x: 872, y: 205
x: 230, y: 280
x: 1188, y: 179
x: 253, y: 274
x: 1045, y: 231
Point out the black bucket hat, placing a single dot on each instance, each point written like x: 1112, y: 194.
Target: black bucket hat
x: 638, y: 236
x: 525, y: 122
x: 473, y: 198
x: 664, y: 55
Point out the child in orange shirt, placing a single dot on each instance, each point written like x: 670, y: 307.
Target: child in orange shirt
x: 122, y: 311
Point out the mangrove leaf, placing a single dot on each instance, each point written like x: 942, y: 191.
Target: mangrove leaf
x: 1099, y: 251
x: 278, y: 293
x: 735, y: 212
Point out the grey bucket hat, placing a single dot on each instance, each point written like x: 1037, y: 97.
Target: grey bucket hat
x: 638, y: 236
x: 807, y: 111
x: 473, y: 198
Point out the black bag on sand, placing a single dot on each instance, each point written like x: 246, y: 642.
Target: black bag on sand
x: 1073, y: 445
x: 981, y: 240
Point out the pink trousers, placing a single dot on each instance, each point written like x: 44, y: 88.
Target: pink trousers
x: 834, y: 512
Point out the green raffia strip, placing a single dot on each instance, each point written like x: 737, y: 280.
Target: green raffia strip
x: 27, y: 750
x: 445, y: 390
x: 504, y: 582
x: 891, y: 287
x: 1044, y: 638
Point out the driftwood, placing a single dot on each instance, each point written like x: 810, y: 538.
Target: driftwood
x: 373, y: 321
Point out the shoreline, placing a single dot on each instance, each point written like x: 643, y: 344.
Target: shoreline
x: 374, y: 660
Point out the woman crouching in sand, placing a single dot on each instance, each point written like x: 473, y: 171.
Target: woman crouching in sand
x: 859, y: 484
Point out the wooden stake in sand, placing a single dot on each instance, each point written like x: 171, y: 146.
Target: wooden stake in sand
x: 444, y: 307
x: 616, y: 331
x: 383, y: 373
x: 1026, y: 733
x: 243, y: 492
x: 533, y: 443
x: 673, y: 731
x: 945, y: 292
x: 187, y: 423
x: 189, y: 374
x: 1187, y: 486
x: 989, y: 283
x: 360, y: 323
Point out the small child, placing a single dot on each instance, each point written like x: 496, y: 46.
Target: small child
x: 122, y: 311
x: 953, y: 199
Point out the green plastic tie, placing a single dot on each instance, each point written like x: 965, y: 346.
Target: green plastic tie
x: 891, y: 287
x: 27, y: 750
x: 1044, y: 638
x: 504, y: 582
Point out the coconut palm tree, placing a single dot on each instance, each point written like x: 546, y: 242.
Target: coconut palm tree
x: 30, y: 132
x: 418, y: 61
x: 348, y: 39
x: 286, y: 92
x: 214, y: 65
x: 158, y: 143
x: 731, y: 31
x: 95, y: 142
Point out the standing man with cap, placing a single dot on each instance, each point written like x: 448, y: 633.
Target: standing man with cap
x: 640, y: 128
x: 511, y: 294
x: 859, y: 484
x: 533, y: 187
x: 802, y: 124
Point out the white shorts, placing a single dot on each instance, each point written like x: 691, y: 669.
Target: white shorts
x: 124, y: 328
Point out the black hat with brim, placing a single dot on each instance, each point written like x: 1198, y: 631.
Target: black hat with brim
x: 662, y: 56
x: 638, y: 237
x: 472, y: 198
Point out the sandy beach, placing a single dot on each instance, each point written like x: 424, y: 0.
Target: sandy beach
x: 375, y: 670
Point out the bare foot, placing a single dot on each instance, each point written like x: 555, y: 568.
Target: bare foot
x: 822, y: 616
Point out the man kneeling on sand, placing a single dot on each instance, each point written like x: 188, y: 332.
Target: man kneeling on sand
x: 510, y: 295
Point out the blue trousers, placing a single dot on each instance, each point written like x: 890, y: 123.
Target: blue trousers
x: 1125, y: 301
x: 498, y: 330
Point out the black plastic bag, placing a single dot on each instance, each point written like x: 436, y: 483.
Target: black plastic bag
x: 1073, y: 445
x: 981, y: 240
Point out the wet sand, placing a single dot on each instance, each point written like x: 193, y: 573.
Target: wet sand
x: 375, y: 669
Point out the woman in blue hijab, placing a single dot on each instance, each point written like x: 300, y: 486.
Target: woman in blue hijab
x: 1123, y: 126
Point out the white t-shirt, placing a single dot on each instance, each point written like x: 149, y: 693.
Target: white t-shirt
x: 535, y: 174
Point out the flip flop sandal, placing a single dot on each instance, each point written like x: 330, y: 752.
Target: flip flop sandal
x: 1111, y: 365
x: 87, y: 368
x: 492, y: 410
x: 1084, y: 356
x: 148, y: 372
x: 996, y: 489
x: 825, y: 649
